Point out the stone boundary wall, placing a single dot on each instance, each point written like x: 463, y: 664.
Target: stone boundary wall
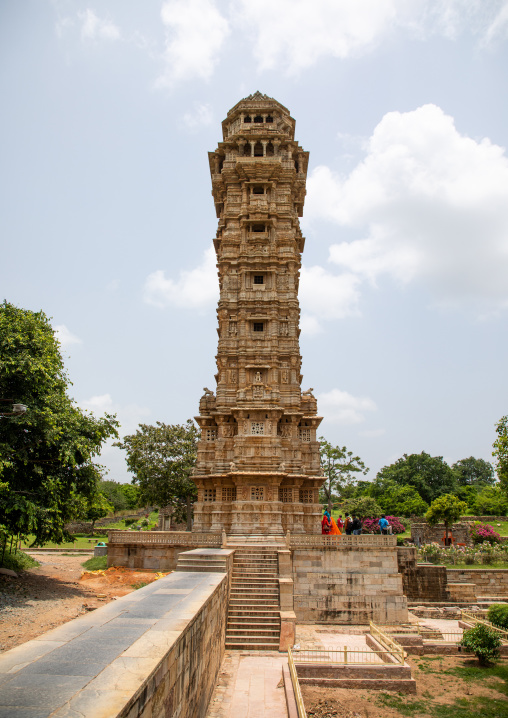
x: 153, y: 653
x: 488, y: 582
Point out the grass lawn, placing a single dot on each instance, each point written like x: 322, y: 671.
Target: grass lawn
x: 85, y: 542
x: 477, y: 566
x: 96, y: 563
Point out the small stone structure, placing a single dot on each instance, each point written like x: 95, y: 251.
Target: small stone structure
x: 422, y: 533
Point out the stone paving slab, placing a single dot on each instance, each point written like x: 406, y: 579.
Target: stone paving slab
x: 248, y: 686
x: 92, y: 666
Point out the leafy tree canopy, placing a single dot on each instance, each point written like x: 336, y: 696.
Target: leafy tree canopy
x: 491, y: 501
x: 97, y: 507
x: 162, y: 458
x: 112, y: 491
x: 46, y: 455
x: 363, y: 507
x: 339, y: 467
x: 500, y: 452
x: 473, y: 471
x: 429, y: 475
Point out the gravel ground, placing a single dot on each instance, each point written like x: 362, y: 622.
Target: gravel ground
x: 43, y: 597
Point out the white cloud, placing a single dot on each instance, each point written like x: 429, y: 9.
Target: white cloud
x: 295, y: 34
x: 129, y: 415
x: 433, y: 205
x: 196, y: 288
x: 94, y: 28
x: 298, y: 33
x: 344, y: 408
x: 200, y: 116
x: 324, y: 295
x: 65, y: 337
x: 196, y: 31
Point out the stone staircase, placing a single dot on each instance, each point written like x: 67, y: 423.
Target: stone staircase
x: 254, y: 607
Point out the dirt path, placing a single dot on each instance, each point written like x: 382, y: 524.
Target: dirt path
x: 56, y: 592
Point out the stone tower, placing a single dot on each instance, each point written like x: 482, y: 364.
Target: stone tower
x: 258, y: 469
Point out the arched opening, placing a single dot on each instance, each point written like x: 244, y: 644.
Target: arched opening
x: 247, y: 151
x: 258, y: 189
x: 269, y: 118
x: 247, y: 118
x: 258, y: 149
x: 258, y: 227
x: 270, y: 151
x: 258, y: 118
x: 297, y: 167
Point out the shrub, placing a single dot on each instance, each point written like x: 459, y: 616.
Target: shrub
x: 129, y: 522
x: 483, y: 642
x: 483, y: 533
x: 18, y: 561
x: 498, y: 615
x: 96, y: 563
x: 371, y: 526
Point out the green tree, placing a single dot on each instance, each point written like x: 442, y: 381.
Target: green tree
x: 162, y: 458
x: 97, y: 507
x: 430, y: 475
x: 501, y: 452
x: 491, y: 501
x: 473, y: 471
x: 403, y: 501
x: 339, y: 467
x: 131, y: 494
x: 363, y: 507
x: 46, y: 454
x: 112, y: 491
x: 446, y: 509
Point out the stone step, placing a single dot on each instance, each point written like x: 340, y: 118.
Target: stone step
x: 247, y: 646
x: 235, y: 622
x: 250, y: 613
x: 407, y: 685
x: 252, y: 639
x: 254, y: 601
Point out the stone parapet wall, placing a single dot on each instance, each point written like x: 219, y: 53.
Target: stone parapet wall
x: 488, y: 582
x: 352, y: 584
x: 154, y: 653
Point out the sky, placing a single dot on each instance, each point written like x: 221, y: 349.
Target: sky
x: 106, y: 217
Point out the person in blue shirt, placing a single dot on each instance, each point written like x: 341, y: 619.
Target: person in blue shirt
x: 384, y: 525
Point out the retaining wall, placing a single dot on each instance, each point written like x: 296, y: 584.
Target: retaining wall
x: 424, y: 582
x: 151, y: 654
x: 349, y: 584
x: 488, y: 582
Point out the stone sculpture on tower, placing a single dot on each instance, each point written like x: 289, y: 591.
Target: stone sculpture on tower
x: 258, y: 469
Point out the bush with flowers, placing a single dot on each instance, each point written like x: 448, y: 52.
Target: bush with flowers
x: 484, y: 533
x: 485, y: 554
x: 371, y: 526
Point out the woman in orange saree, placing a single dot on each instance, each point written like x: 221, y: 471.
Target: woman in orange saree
x: 335, y: 529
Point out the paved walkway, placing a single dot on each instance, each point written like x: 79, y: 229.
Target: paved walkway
x: 250, y: 686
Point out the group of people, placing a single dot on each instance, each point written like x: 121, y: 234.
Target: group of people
x: 349, y: 525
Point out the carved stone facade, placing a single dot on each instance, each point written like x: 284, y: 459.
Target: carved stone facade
x: 258, y: 469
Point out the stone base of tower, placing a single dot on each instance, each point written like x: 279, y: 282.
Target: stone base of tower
x: 248, y: 517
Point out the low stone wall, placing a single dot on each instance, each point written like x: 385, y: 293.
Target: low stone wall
x: 151, y: 654
x: 356, y: 582
x: 488, y: 582
x: 156, y: 550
